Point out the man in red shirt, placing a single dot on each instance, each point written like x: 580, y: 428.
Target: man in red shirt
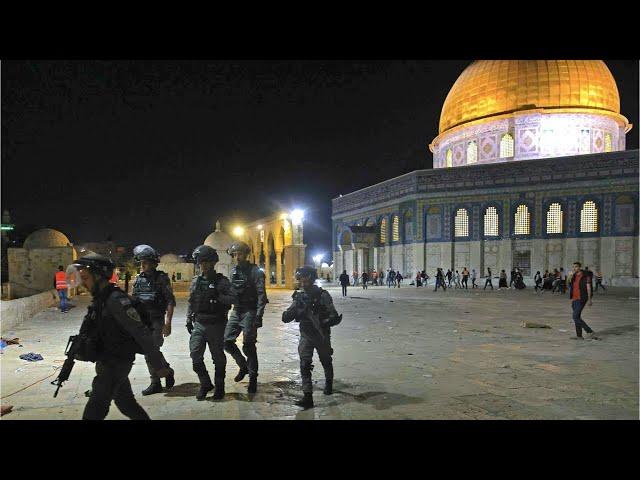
x: 580, y: 295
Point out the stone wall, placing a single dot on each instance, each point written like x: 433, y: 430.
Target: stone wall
x: 14, y: 312
x: 186, y: 270
x: 32, y: 271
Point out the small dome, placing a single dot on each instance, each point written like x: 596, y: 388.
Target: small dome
x: 218, y: 239
x: 170, y: 258
x: 46, y: 238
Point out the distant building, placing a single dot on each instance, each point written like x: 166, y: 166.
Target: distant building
x: 529, y: 170
x: 220, y: 241
x: 32, y: 267
x: 173, y: 265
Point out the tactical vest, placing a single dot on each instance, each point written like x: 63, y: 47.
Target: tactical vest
x: 113, y: 340
x: 244, y: 284
x: 146, y: 290
x: 204, y: 299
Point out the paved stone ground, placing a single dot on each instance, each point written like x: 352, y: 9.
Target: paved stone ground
x: 399, y: 354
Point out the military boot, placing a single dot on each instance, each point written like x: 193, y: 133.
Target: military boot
x: 155, y: 387
x: 328, y: 386
x: 204, y: 389
x: 253, y: 385
x: 219, y: 393
x: 170, y: 381
x: 241, y: 374
x: 306, y: 401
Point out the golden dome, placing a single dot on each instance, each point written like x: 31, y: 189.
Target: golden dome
x: 493, y: 87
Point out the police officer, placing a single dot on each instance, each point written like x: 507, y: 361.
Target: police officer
x: 153, y: 289
x: 313, y: 308
x: 247, y: 281
x: 118, y: 333
x: 210, y: 297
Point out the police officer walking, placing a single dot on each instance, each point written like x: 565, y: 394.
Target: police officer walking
x: 313, y: 308
x: 117, y: 332
x: 247, y: 281
x: 153, y: 289
x: 210, y: 297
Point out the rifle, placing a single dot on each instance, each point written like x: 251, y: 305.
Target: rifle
x: 70, y: 351
x: 80, y: 347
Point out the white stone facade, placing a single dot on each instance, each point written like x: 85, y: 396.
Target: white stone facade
x: 535, y: 135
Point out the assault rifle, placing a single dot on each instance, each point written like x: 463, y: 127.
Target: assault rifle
x: 81, y: 347
x: 73, y: 345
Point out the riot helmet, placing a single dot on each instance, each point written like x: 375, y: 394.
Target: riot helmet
x: 145, y: 252
x: 238, y: 247
x: 307, y: 271
x: 205, y: 253
x: 98, y: 264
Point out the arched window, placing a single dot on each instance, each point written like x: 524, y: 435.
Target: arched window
x: 462, y: 223
x: 584, y: 143
x: 506, y: 146
x: 522, y: 220
x: 449, y: 158
x: 607, y: 142
x: 472, y: 152
x: 589, y: 217
x: 491, y: 222
x: 554, y: 218
x: 383, y: 231
x: 408, y: 225
x: 395, y: 227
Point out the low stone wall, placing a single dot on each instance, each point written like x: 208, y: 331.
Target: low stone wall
x: 14, y: 312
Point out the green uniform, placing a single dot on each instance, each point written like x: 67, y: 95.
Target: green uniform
x: 246, y: 317
x: 315, y: 312
x: 156, y: 294
x: 119, y: 334
x: 210, y: 298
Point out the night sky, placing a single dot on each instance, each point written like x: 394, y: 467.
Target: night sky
x: 155, y: 151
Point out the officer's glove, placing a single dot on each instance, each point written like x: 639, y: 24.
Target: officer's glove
x: 285, y: 318
x: 258, y: 322
x: 189, y: 326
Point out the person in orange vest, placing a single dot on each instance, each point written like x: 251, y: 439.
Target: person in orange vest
x: 114, y: 278
x: 60, y: 284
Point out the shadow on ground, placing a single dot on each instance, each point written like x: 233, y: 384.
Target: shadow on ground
x: 287, y: 392
x: 618, y: 330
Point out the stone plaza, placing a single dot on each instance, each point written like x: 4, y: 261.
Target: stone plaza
x: 407, y: 353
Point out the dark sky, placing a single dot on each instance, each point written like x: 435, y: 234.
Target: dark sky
x: 155, y: 151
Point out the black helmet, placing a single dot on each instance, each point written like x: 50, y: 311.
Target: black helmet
x: 307, y: 271
x: 145, y: 252
x: 238, y: 247
x: 204, y: 253
x: 98, y: 264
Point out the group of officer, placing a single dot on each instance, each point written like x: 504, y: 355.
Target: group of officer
x: 124, y: 326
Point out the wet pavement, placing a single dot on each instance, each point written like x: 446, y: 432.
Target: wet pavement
x: 399, y: 354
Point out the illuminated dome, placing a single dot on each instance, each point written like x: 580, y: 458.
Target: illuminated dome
x: 46, y: 238
x: 170, y: 258
x: 503, y: 110
x: 218, y: 240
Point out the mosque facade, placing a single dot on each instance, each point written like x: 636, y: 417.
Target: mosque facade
x: 529, y: 170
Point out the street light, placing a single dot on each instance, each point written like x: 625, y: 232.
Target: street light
x: 296, y: 216
x: 238, y: 231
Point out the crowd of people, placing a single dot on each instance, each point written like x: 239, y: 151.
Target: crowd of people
x: 555, y: 281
